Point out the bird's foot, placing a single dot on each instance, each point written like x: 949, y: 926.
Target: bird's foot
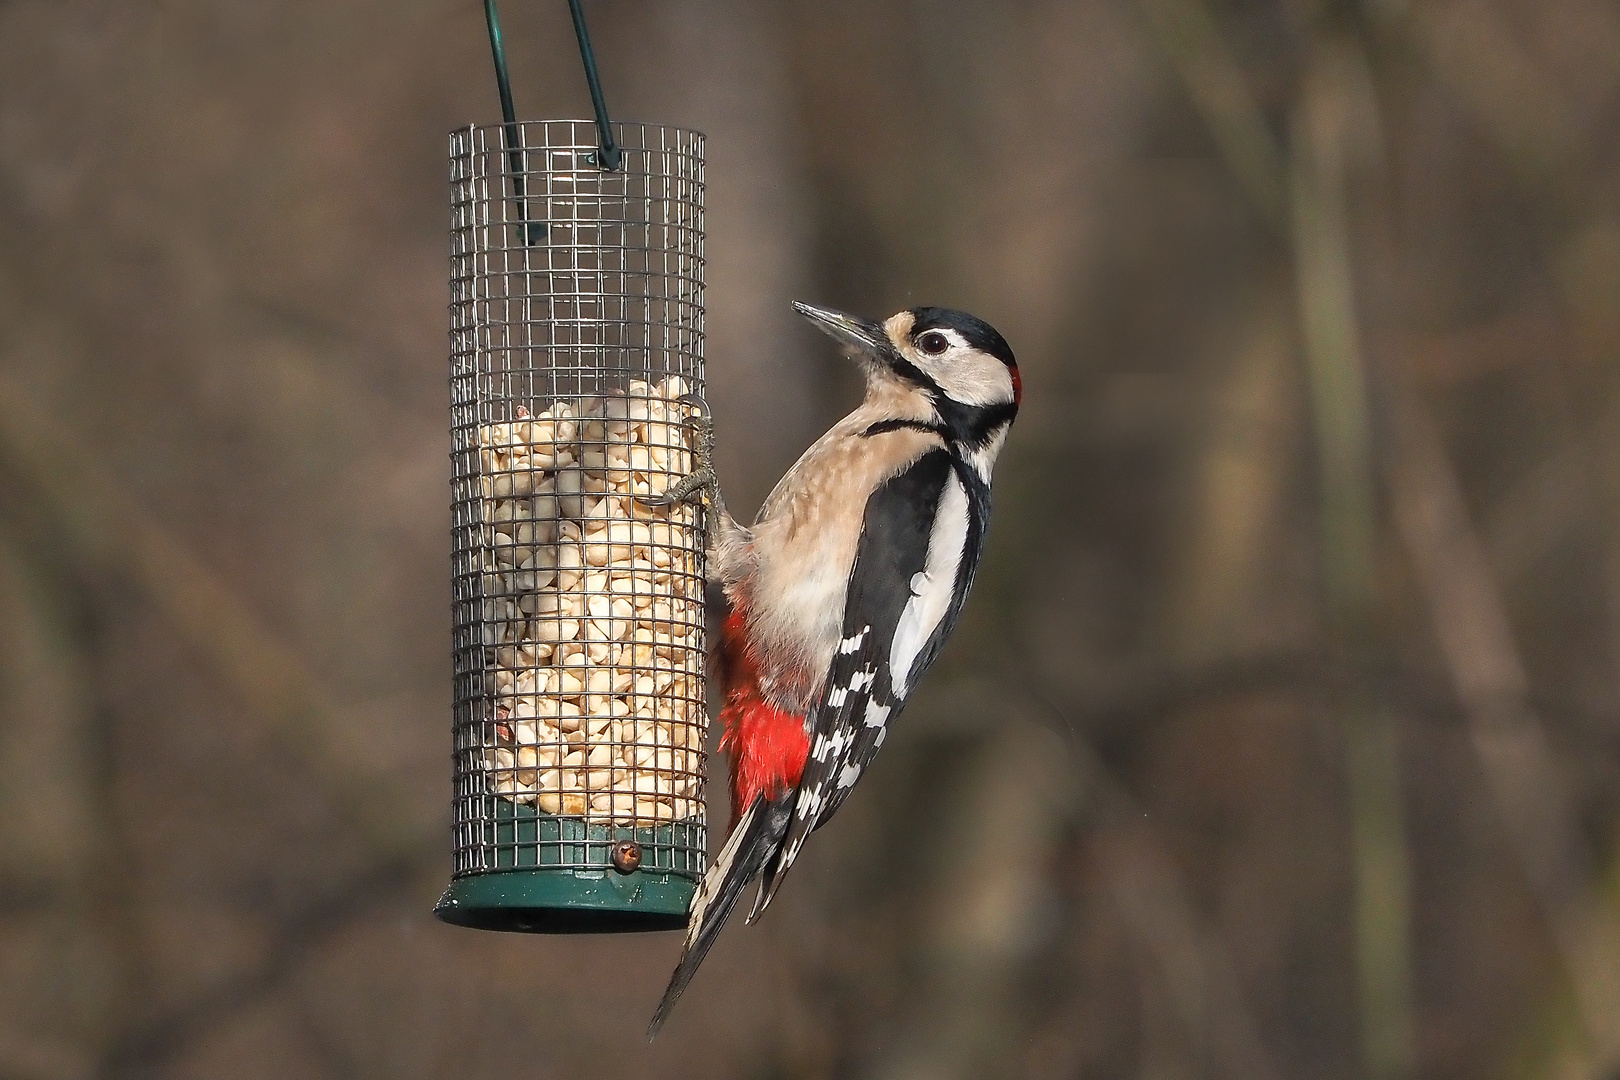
x: 701, y: 480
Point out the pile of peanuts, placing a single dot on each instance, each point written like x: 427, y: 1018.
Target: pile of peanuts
x: 594, y: 606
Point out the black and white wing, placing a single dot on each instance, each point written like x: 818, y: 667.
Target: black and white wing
x: 919, y: 548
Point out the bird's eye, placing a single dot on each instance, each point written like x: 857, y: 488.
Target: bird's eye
x: 933, y: 343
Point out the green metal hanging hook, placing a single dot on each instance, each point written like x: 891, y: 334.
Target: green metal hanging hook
x: 611, y: 156
x: 533, y: 231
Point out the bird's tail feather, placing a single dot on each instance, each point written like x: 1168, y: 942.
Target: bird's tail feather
x: 758, y: 834
x: 766, y: 887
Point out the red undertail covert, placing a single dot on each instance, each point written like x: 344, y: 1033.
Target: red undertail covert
x: 768, y: 746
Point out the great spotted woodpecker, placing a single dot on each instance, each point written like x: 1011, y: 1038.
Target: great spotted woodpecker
x: 845, y: 588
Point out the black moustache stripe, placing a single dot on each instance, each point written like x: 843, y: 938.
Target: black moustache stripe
x: 963, y: 423
x: 974, y: 424
x: 884, y: 426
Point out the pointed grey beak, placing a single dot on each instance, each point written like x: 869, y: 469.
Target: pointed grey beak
x: 864, y: 339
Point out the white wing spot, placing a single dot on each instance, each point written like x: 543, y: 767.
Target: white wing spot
x: 853, y: 642
x: 849, y: 774
x: 876, y: 715
x: 836, y: 696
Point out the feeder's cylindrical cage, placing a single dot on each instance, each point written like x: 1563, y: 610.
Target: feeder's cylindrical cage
x: 576, y: 368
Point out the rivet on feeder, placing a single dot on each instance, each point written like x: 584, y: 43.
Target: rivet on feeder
x: 576, y: 363
x: 626, y: 856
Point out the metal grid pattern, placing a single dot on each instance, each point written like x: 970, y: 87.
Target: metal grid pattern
x: 576, y: 328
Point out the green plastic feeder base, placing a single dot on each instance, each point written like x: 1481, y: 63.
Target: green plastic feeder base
x: 553, y: 875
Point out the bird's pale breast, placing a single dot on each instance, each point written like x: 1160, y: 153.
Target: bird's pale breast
x: 803, y: 547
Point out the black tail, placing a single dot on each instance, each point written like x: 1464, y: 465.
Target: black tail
x: 758, y: 834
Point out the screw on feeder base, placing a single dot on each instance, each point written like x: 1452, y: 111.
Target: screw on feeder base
x: 626, y: 856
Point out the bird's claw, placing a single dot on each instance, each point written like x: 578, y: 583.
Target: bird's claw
x: 697, y: 403
x: 681, y: 490
x: 701, y: 478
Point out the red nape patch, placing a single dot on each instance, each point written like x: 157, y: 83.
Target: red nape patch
x: 1018, y: 385
x: 768, y: 746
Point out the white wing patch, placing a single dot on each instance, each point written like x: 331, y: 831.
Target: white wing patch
x: 932, y: 586
x: 837, y: 695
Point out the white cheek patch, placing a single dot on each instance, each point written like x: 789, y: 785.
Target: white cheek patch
x: 978, y: 380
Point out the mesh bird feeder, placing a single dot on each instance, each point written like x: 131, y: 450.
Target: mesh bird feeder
x: 576, y: 368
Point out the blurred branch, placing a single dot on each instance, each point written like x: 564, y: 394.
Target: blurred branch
x: 1220, y: 92
x: 1528, y: 785
x: 162, y: 1040
x: 107, y: 528
x: 68, y: 865
x: 1519, y: 338
x: 1524, y: 114
x: 981, y: 916
x: 1539, y: 512
x: 1335, y: 125
x: 1224, y: 573
x: 1473, y: 55
x: 1148, y: 890
x: 1305, y: 195
x: 103, y: 528
x: 1523, y: 111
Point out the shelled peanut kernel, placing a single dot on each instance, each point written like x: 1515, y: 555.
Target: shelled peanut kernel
x: 594, y: 603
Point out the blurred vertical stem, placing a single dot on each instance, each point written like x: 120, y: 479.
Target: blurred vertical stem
x: 1221, y: 94
x: 1334, y: 126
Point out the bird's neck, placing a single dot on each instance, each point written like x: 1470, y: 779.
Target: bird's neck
x: 890, y: 397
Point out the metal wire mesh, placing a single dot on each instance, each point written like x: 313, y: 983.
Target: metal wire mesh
x: 576, y: 325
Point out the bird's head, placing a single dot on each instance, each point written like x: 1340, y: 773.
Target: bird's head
x: 957, y: 360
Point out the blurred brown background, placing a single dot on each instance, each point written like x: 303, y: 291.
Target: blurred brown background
x: 1282, y: 734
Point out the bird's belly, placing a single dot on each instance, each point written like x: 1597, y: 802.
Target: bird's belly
x: 797, y: 610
